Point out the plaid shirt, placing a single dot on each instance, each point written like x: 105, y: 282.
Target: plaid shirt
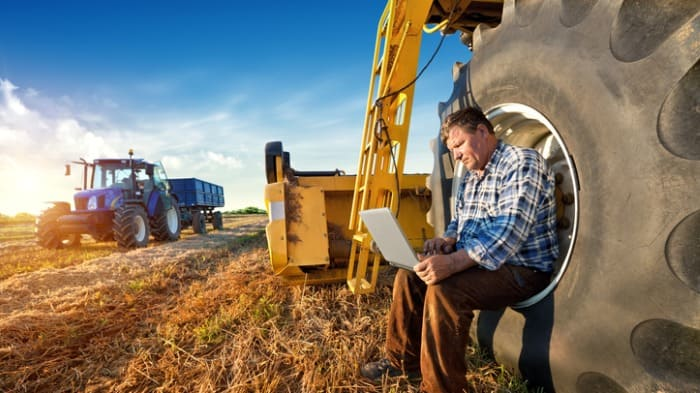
x: 509, y: 214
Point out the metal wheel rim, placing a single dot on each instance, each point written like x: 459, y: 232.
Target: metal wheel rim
x: 173, y: 221
x: 510, y: 122
x: 140, y: 228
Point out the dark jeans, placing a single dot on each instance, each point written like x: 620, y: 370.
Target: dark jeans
x: 428, y: 327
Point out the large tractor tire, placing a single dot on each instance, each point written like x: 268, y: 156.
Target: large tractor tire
x: 48, y: 232
x: 610, y: 91
x: 218, y: 221
x: 131, y: 228
x: 165, y: 225
x: 199, y: 222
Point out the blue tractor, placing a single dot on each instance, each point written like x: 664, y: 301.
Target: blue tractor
x: 126, y: 200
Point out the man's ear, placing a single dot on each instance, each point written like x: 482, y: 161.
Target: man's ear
x: 482, y: 130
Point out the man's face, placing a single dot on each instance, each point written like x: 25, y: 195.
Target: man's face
x: 470, y: 149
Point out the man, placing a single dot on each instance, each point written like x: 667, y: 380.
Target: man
x: 497, y: 250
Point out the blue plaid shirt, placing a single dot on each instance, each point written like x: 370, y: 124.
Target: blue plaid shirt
x: 509, y: 214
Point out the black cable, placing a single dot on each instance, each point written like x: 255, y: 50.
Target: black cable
x: 409, y: 84
x: 396, y: 172
x: 385, y: 129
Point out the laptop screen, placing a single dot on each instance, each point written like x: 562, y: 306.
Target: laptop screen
x: 389, y: 237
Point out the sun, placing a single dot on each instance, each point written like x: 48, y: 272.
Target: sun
x: 28, y: 190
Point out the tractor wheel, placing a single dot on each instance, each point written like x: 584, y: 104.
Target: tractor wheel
x: 218, y: 221
x: 199, y: 222
x: 131, y: 226
x: 47, y: 230
x: 166, y: 224
x: 609, y: 90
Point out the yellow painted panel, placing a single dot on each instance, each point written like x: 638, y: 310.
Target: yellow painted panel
x: 307, y: 228
x: 329, y: 183
x: 276, y: 227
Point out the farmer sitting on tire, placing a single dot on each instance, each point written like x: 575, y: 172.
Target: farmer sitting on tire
x: 497, y: 250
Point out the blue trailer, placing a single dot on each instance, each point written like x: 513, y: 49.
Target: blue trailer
x: 197, y: 200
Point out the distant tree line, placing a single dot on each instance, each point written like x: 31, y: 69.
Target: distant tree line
x: 19, y: 217
x: 26, y: 217
x: 247, y: 210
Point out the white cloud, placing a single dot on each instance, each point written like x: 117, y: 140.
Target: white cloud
x: 31, y: 93
x: 10, y: 136
x: 11, y: 101
x: 227, y: 162
x: 91, y: 117
x: 172, y: 163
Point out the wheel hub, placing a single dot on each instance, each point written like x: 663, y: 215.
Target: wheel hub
x: 522, y: 125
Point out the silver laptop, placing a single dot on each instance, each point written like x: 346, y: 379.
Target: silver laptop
x: 389, y: 236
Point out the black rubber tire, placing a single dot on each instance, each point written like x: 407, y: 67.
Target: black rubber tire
x: 272, y: 151
x: 165, y: 226
x: 47, y: 229
x: 218, y: 221
x: 131, y: 229
x: 199, y: 222
x: 624, y: 317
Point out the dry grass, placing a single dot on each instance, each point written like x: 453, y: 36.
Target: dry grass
x: 16, y: 230
x: 19, y: 252
x: 213, y: 320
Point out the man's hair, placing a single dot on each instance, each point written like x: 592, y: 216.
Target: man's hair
x: 467, y: 119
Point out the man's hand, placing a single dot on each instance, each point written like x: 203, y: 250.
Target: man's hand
x: 433, y: 269
x: 439, y: 245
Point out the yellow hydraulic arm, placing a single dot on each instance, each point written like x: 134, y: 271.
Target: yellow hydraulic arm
x: 385, y: 135
x: 315, y: 234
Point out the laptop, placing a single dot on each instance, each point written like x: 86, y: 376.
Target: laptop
x: 389, y: 237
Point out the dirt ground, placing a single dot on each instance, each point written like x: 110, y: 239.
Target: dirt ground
x: 46, y: 290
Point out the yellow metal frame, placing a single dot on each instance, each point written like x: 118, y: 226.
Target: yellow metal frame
x: 386, y: 125
x: 314, y: 223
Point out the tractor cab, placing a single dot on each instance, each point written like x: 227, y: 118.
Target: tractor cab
x: 115, y: 180
x: 117, y: 173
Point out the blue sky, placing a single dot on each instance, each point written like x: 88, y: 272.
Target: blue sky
x: 201, y: 86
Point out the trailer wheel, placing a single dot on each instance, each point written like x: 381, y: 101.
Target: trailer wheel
x: 166, y: 224
x: 199, y: 222
x: 47, y: 229
x: 218, y: 221
x: 618, y: 83
x: 131, y: 228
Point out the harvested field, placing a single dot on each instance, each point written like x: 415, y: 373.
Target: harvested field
x: 203, y: 314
